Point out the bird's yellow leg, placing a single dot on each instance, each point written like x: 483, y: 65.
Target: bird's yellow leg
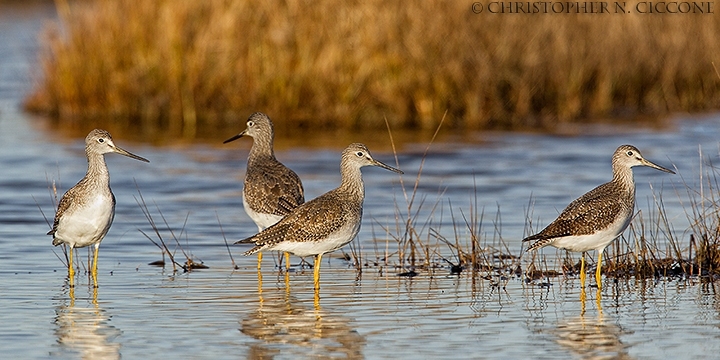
x: 287, y: 273
x: 95, y: 265
x: 316, y: 276
x: 287, y: 282
x: 259, y: 260
x: 582, y: 270
x: 598, y: 279
x: 71, y: 271
x: 316, y: 271
x: 583, y: 298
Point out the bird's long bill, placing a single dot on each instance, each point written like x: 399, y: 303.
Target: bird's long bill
x: 656, y: 166
x: 388, y: 167
x: 122, y: 151
x: 234, y: 137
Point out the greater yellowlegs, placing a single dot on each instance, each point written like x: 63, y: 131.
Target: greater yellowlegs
x: 327, y: 222
x: 86, y: 211
x: 594, y: 220
x: 271, y: 190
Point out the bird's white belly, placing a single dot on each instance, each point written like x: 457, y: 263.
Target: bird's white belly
x: 263, y: 221
x: 597, y: 241
x: 86, y: 225
x: 333, y: 242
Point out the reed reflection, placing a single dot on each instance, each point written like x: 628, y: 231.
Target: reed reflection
x: 85, y: 329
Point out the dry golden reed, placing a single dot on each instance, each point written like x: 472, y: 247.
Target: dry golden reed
x: 181, y: 64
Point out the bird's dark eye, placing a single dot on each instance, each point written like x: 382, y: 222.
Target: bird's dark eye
x: 101, y: 140
x: 250, y: 123
x: 630, y: 153
x: 359, y: 153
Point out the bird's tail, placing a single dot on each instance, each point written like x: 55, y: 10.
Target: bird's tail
x: 250, y: 240
x: 538, y: 244
x: 56, y: 241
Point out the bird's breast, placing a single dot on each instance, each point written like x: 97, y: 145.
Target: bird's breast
x: 86, y: 222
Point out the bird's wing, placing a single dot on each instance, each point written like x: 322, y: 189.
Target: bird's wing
x: 67, y: 199
x: 280, y: 190
x: 583, y: 216
x: 312, y: 221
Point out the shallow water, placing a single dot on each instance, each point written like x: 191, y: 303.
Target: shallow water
x: 142, y: 311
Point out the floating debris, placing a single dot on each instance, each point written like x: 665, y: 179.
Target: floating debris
x: 410, y: 274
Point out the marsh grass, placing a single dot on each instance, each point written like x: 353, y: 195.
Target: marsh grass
x: 227, y: 246
x: 421, y: 240
x: 420, y: 244
x: 190, y: 263
x: 418, y: 239
x: 180, y: 66
x: 52, y: 189
x: 653, y: 248
x: 703, y: 214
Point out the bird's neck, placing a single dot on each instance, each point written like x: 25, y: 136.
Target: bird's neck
x: 352, y: 182
x: 262, y: 149
x: 97, y: 170
x: 623, y: 176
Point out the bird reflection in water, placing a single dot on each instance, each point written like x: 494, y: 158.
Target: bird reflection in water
x: 85, y: 330
x: 583, y: 299
x: 591, y: 338
x: 281, y: 321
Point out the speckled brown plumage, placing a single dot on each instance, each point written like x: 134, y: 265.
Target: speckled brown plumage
x: 327, y: 222
x: 74, y: 196
x: 597, y: 218
x: 271, y: 190
x: 608, y: 207
x: 592, y: 212
x: 312, y: 221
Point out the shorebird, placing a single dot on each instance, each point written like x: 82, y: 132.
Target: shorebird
x: 594, y: 220
x: 327, y: 222
x: 86, y: 211
x: 271, y: 190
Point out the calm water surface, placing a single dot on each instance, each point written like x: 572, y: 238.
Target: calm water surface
x: 144, y: 311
